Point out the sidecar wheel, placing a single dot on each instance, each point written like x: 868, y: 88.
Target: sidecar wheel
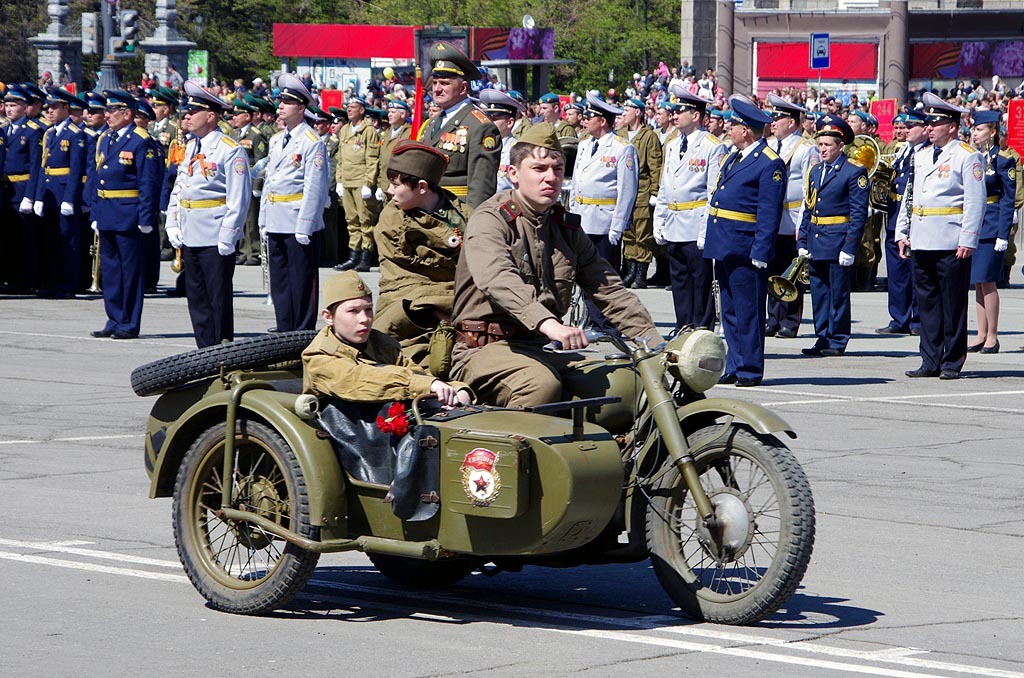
x: 239, y: 567
x: 749, y: 569
x: 423, y: 574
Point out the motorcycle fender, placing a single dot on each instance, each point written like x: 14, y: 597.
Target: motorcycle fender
x: 316, y: 457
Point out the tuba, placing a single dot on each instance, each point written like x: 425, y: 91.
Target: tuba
x: 784, y: 286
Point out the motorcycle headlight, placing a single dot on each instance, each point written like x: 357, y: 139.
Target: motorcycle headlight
x: 697, y: 358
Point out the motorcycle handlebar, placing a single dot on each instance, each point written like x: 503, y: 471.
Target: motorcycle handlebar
x: 593, y: 336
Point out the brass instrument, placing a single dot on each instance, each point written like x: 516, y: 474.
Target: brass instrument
x: 864, y: 150
x: 265, y: 265
x: 94, y: 252
x: 784, y: 286
x: 177, y: 265
x: 716, y: 294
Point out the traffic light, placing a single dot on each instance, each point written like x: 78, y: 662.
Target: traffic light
x: 129, y: 29
x: 90, y: 23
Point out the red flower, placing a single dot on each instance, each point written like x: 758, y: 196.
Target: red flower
x: 397, y: 421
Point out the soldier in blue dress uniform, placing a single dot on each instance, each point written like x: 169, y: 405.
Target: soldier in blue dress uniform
x: 19, y: 179
x: 743, y: 220
x: 60, y: 192
x: 95, y: 124
x: 145, y: 115
x: 835, y: 211
x: 124, y: 194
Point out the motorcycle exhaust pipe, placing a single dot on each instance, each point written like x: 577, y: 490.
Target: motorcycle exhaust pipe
x: 306, y: 406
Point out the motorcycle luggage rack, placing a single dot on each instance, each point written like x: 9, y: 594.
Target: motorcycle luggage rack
x: 577, y: 407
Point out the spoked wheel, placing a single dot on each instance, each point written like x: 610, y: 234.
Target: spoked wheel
x: 745, y: 567
x: 239, y: 567
x: 424, y: 574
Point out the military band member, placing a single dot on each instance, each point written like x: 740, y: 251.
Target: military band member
x: 502, y: 110
x: 60, y: 192
x: 508, y: 303
x: 461, y: 131
x: 124, y: 196
x: 206, y: 215
x: 903, y: 315
x: 36, y: 97
x: 987, y: 262
x: 398, y: 129
x: 638, y: 239
x: 19, y: 180
x: 941, y: 232
x: 799, y: 154
x: 95, y: 125
x: 743, y: 222
x: 550, y: 107
x: 692, y: 161
x: 357, y: 175
x: 252, y: 141
x: 292, y: 209
x: 834, y: 215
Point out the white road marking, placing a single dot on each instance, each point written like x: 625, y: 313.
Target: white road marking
x: 91, y: 567
x: 75, y: 337
x: 66, y: 547
x: 75, y: 439
x: 811, y: 398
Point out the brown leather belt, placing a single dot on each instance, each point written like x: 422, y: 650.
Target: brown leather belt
x: 479, y: 333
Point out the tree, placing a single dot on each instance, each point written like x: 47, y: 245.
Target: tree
x: 18, y: 22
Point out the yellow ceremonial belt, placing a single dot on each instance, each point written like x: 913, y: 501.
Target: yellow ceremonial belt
x: 937, y: 211
x: 735, y: 216
x: 18, y: 177
x: 460, y: 191
x: 829, y: 221
x: 792, y: 205
x: 126, y: 193
x: 594, y: 201
x: 683, y: 206
x: 200, y: 204
x: 57, y: 171
x: 284, y: 197
x: 992, y: 199
x: 895, y: 196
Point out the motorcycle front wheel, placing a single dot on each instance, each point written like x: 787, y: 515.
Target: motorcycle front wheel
x: 237, y: 566
x: 744, y: 568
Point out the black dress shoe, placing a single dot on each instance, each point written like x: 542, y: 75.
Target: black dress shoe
x: 813, y: 351
x: 727, y: 379
x: 748, y: 382
x: 989, y: 349
x: 125, y: 335
x: 272, y: 329
x: 101, y: 334
x: 974, y: 348
x: 832, y: 352
x: 771, y: 331
x: 889, y: 329
x: 915, y: 331
x: 949, y: 374
x: 921, y: 372
x: 786, y: 333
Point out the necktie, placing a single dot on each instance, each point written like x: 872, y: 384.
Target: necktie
x: 935, y: 154
x: 682, y: 146
x: 778, y: 146
x: 198, y: 148
x: 593, y: 149
x: 287, y: 138
x: 824, y: 172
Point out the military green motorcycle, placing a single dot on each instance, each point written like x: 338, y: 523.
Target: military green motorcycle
x: 637, y: 464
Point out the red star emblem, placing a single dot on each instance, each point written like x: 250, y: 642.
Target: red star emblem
x: 481, y: 484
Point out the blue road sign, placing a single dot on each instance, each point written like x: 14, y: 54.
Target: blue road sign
x: 819, y: 50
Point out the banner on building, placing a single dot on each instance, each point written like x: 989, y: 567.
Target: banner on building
x: 199, y: 66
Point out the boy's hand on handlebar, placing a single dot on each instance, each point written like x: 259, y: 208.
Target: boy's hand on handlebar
x: 447, y: 395
x: 570, y: 338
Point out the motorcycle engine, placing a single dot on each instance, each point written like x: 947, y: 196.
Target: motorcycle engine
x: 697, y: 358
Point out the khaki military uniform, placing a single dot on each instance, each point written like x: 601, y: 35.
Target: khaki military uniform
x: 417, y: 253
x: 473, y: 147
x: 388, y: 140
x: 358, y: 166
x: 563, y: 129
x: 375, y: 372
x: 638, y: 240
x: 521, y: 125
x: 517, y: 269
x: 255, y: 145
x: 329, y: 252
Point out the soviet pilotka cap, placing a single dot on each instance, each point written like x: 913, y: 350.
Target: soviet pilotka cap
x: 197, y: 98
x: 939, y: 112
x: 293, y: 90
x: 542, y: 134
x: 344, y: 286
x: 446, y: 61
x: 418, y: 160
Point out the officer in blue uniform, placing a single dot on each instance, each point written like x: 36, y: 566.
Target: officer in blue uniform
x: 36, y: 97
x: 19, y: 179
x: 124, y: 196
x: 95, y: 124
x: 835, y: 211
x: 743, y: 220
x: 60, y: 191
x: 144, y: 117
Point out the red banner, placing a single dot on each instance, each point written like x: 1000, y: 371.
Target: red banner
x: 1015, y: 126
x: 331, y: 97
x: 885, y: 111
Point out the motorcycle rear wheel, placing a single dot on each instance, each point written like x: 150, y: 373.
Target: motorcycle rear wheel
x: 748, y: 571
x: 239, y: 567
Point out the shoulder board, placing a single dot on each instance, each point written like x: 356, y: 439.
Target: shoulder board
x: 1006, y: 154
x: 712, y: 138
x: 855, y: 163
x: 32, y: 124
x: 967, y: 147
x: 804, y: 141
x: 480, y: 116
x: 772, y: 155
x: 74, y: 128
x: 141, y: 132
x: 510, y: 211
x: 90, y: 131
x: 311, y: 135
x: 620, y: 140
x: 229, y: 141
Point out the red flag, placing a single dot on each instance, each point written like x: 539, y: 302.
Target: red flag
x: 417, y: 106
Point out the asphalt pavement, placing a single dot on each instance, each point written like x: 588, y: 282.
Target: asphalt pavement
x: 918, y: 484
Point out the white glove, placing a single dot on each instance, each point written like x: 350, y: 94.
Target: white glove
x: 226, y: 249
x: 95, y: 227
x: 1001, y: 245
x: 302, y: 238
x: 67, y: 209
x: 802, y: 252
x: 174, y: 236
x: 366, y: 193
x: 614, y: 237
x: 758, y: 263
x: 700, y: 243
x: 145, y: 230
x: 845, y: 259
x: 658, y: 239
x: 379, y: 195
x: 339, y: 189
x: 653, y: 201
x: 37, y: 207
x: 26, y: 206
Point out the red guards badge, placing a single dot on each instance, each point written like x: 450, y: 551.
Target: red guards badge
x: 480, y: 480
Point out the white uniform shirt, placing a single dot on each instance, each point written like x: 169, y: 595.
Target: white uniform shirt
x: 681, y: 210
x: 296, y: 185
x: 955, y: 182
x: 504, y: 183
x: 799, y: 154
x: 605, y: 184
x: 211, y: 193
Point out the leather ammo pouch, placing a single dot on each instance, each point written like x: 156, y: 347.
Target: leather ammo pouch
x: 442, y: 341
x: 478, y: 333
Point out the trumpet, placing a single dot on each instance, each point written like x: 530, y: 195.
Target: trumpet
x: 784, y: 286
x: 94, y: 252
x: 177, y: 265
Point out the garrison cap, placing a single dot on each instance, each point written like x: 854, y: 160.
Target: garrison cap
x: 344, y: 286
x: 418, y: 160
x: 685, y: 99
x: 293, y: 90
x: 549, y: 98
x: 164, y: 95
x: 378, y: 113
x: 542, y: 134
x: 239, y: 105
x: 746, y: 112
x: 95, y: 101
x: 398, y: 103
x: 602, y: 108
x: 634, y: 103
x: 860, y: 114
x: 834, y: 126
x: 446, y: 60
x: 59, y: 95
x: 197, y: 98
x: 517, y: 95
x: 16, y: 93
x: 493, y: 101
x: 317, y: 114
x: 33, y: 91
x: 144, y: 108
x: 780, y: 108
x: 118, y: 98
x: 718, y: 113
x: 986, y: 118
x: 938, y: 111
x: 670, y: 106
